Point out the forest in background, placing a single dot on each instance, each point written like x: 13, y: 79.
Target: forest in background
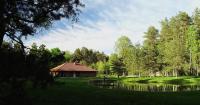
x: 172, y: 51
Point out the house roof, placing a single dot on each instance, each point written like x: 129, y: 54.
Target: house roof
x: 71, y: 67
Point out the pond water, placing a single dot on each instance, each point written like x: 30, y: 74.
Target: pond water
x: 151, y: 87
x: 157, y: 87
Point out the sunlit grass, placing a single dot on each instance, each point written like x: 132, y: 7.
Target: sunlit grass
x: 166, y: 80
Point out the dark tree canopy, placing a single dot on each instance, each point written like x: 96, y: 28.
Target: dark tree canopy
x: 23, y: 17
x: 57, y: 57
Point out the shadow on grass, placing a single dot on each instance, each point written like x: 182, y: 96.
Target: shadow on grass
x: 143, y: 81
x: 68, y: 91
x: 59, y: 83
x: 177, y: 81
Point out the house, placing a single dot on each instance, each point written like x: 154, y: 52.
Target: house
x: 73, y: 70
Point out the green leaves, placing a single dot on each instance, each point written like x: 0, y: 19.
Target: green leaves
x: 116, y: 64
x: 88, y: 56
x: 173, y: 51
x: 23, y: 18
x: 151, y: 50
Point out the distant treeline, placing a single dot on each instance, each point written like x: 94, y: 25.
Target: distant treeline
x: 38, y: 59
x: 172, y: 51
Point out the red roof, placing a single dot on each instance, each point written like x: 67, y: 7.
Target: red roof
x: 72, y: 67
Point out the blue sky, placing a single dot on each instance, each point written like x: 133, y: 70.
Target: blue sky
x: 102, y: 22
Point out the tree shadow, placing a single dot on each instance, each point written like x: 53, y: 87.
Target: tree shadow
x: 177, y: 81
x: 143, y: 81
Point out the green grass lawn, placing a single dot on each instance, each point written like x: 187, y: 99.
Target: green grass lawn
x: 184, y: 80
x: 77, y: 91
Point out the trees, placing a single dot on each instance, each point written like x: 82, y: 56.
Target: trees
x: 38, y: 62
x: 194, y: 40
x: 12, y: 63
x: 139, y: 60
x: 166, y: 47
x: 100, y: 67
x: 193, y: 44
x: 68, y: 56
x: 88, y: 56
x: 122, y: 46
x: 17, y: 69
x: 57, y: 57
x: 174, y: 51
x: 125, y: 50
x: 179, y: 26
x: 168, y: 44
x: 196, y: 18
x: 22, y: 18
x: 77, y: 56
x: 116, y: 65
x: 103, y: 67
x: 175, y: 42
x: 151, y: 50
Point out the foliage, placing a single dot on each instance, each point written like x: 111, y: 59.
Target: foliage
x: 172, y: 51
x: 103, y: 67
x: 88, y: 56
x: 57, y: 57
x: 16, y: 69
x: 151, y: 50
x: 125, y: 50
x: 68, y: 56
x: 38, y: 60
x: 22, y: 18
x: 116, y: 65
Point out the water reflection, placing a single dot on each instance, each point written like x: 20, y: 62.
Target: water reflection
x: 157, y: 87
x: 147, y: 87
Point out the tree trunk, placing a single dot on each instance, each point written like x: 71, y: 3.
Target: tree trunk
x: 3, y: 25
x: 2, y: 32
x: 166, y: 74
x: 149, y: 73
x: 190, y: 63
x: 176, y: 72
x: 139, y: 74
x: 1, y: 38
x: 197, y: 71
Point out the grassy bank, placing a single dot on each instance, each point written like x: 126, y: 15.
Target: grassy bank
x: 70, y: 91
x: 185, y: 80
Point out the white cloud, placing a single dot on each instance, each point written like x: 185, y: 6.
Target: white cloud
x: 103, y: 21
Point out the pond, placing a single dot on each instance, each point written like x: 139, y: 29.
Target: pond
x: 147, y: 87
